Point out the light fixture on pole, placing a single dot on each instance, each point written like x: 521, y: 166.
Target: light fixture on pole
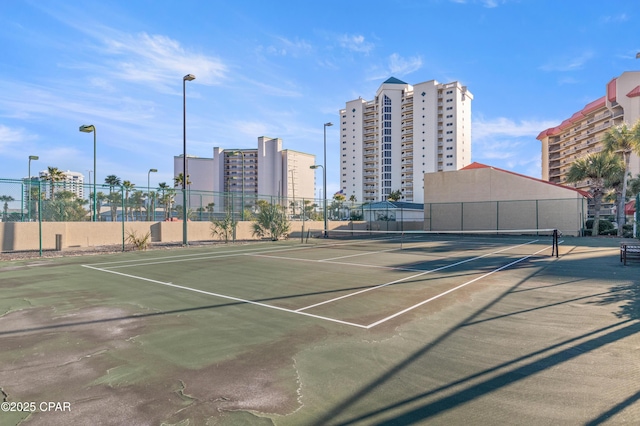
x: 89, y: 129
x: 242, y: 200
x: 31, y: 157
x: 324, y: 207
x: 188, y: 77
x: 324, y: 177
x: 149, y: 193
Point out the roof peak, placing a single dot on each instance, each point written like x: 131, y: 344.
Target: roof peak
x: 393, y: 80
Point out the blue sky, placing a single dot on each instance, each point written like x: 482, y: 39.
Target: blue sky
x: 283, y: 68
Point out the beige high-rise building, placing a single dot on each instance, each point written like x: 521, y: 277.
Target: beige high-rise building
x: 268, y: 172
x: 389, y: 143
x: 582, y: 133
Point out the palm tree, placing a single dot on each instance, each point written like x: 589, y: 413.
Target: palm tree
x: 137, y: 202
x: 596, y: 168
x: 113, y: 181
x: 395, y: 195
x: 127, y: 186
x: 100, y: 198
x: 166, y: 197
x: 54, y: 175
x: 634, y: 186
x: 6, y: 199
x: 622, y: 140
x: 177, y: 181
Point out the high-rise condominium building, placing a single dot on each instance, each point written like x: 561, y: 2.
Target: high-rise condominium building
x: 582, y: 133
x: 388, y: 143
x: 72, y: 182
x: 266, y: 172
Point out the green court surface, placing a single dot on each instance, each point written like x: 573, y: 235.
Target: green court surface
x: 442, y: 331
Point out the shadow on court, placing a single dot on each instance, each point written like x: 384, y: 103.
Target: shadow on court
x: 570, y: 271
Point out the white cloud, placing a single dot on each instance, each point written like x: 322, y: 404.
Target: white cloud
x: 505, y: 127
x: 403, y: 66
x: 355, y: 43
x: 568, y: 63
x: 509, y: 144
x: 12, y: 139
x: 156, y: 59
x: 615, y: 19
x: 486, y: 3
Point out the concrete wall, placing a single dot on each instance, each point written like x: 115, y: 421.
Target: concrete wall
x: 23, y: 236
x: 486, y: 198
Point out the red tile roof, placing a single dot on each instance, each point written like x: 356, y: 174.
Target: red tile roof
x: 635, y: 92
x: 611, y: 90
x: 589, y: 108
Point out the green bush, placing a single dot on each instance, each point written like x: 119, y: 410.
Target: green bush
x: 605, y: 227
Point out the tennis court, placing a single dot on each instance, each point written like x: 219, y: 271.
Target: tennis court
x: 354, y: 329
x: 361, y: 280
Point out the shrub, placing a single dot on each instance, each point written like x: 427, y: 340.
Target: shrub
x: 271, y: 221
x: 139, y: 242
x: 605, y: 227
x: 224, y: 228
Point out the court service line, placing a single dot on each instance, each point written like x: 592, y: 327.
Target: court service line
x: 174, y: 259
x: 373, y: 252
x: 222, y: 296
x: 178, y: 256
x: 417, y: 305
x: 415, y: 276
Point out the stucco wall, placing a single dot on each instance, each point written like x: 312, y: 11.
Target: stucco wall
x: 23, y: 236
x: 487, y: 198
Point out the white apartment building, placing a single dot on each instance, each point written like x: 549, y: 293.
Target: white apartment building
x: 73, y: 182
x: 389, y: 143
x: 268, y: 172
x: 582, y: 133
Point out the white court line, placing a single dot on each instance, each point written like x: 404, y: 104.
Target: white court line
x: 375, y: 252
x: 164, y: 257
x: 175, y: 259
x: 404, y: 311
x: 328, y: 318
x: 413, y: 276
x: 237, y: 299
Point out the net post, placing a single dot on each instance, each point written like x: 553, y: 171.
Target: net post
x: 554, y: 249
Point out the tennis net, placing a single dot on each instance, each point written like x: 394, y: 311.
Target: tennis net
x: 400, y: 240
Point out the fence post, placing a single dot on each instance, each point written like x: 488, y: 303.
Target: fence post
x: 123, y: 215
x: 40, y: 216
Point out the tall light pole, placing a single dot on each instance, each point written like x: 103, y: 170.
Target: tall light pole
x: 188, y: 77
x: 31, y: 157
x: 242, y: 199
x: 315, y: 166
x: 88, y: 129
x: 149, y: 192
x: 324, y: 177
x: 90, y: 209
